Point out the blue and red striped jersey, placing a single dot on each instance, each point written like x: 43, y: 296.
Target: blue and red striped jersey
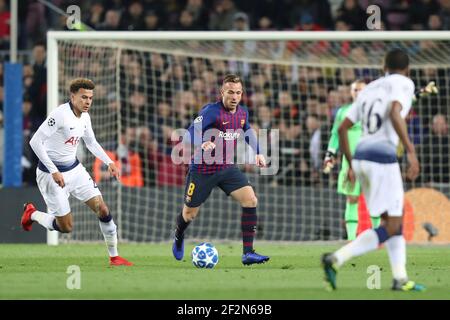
x: 229, y: 126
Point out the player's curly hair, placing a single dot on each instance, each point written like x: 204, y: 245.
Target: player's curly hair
x: 81, y: 83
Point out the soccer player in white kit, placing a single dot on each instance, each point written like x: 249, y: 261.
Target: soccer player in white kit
x: 381, y: 107
x: 60, y: 174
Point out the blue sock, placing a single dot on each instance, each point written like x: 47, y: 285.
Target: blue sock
x: 248, y: 223
x: 181, y: 226
x: 55, y: 226
x: 382, y: 234
x: 106, y: 219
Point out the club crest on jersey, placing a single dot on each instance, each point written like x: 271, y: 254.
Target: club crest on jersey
x: 242, y: 122
x: 73, y: 141
x: 51, y: 122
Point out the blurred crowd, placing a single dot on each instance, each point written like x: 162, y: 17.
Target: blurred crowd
x: 149, y: 15
x: 161, y: 92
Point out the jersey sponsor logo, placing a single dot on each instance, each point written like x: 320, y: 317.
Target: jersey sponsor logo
x: 73, y: 141
x: 198, y: 119
x: 229, y: 135
x: 51, y: 122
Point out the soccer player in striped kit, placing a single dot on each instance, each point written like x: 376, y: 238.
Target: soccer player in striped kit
x: 229, y: 120
x: 60, y: 174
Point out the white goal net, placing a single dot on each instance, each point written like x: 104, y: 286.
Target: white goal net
x: 149, y: 84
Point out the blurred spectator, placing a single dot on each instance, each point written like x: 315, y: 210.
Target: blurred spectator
x: 351, y: 13
x: 265, y: 24
x: 245, y: 48
x: 222, y: 15
x: 198, y: 12
x: 266, y: 10
x: 414, y: 126
x: 5, y: 17
x: 133, y: 18
x: 314, y: 13
x: 37, y: 89
x: 152, y: 21
x: 96, y: 14
x: 315, y: 145
x: 111, y: 22
x: 134, y: 114
x: 29, y: 160
x: 434, y: 23
x: 420, y: 11
x: 334, y: 102
x: 127, y: 160
x: 444, y: 14
x: 198, y: 89
x: 36, y: 24
x: 397, y: 15
x: 175, y: 75
x: 165, y: 123
x: 264, y: 119
x: 436, y: 152
x: 288, y: 121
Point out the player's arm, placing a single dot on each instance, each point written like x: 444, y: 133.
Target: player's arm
x: 95, y: 148
x: 343, y: 139
x: 400, y: 128
x: 204, y: 121
x: 353, y: 116
x: 44, y: 132
x: 333, y: 144
x: 250, y: 138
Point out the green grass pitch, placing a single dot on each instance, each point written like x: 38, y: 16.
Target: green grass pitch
x: 40, y: 272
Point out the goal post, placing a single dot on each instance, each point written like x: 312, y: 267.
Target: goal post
x: 151, y: 83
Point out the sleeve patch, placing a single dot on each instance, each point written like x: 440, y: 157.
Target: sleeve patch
x: 198, y: 119
x: 51, y: 122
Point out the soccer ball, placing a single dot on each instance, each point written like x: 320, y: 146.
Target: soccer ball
x: 205, y: 255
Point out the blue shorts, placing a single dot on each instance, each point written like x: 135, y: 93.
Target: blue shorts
x: 199, y: 186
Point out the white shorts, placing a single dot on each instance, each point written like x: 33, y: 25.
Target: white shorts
x: 382, y: 186
x: 78, y: 183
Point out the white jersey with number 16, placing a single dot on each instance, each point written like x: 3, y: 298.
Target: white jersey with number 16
x: 373, y: 107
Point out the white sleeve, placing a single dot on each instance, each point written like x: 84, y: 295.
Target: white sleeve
x: 353, y: 113
x: 45, y: 131
x: 93, y: 146
x: 403, y: 92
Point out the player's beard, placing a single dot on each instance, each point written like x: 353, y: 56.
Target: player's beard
x: 231, y: 107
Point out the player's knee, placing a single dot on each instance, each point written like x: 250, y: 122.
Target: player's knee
x: 250, y: 202
x: 189, y: 214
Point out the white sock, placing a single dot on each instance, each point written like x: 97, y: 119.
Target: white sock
x: 109, y: 230
x: 396, y: 248
x: 367, y: 241
x: 44, y: 219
